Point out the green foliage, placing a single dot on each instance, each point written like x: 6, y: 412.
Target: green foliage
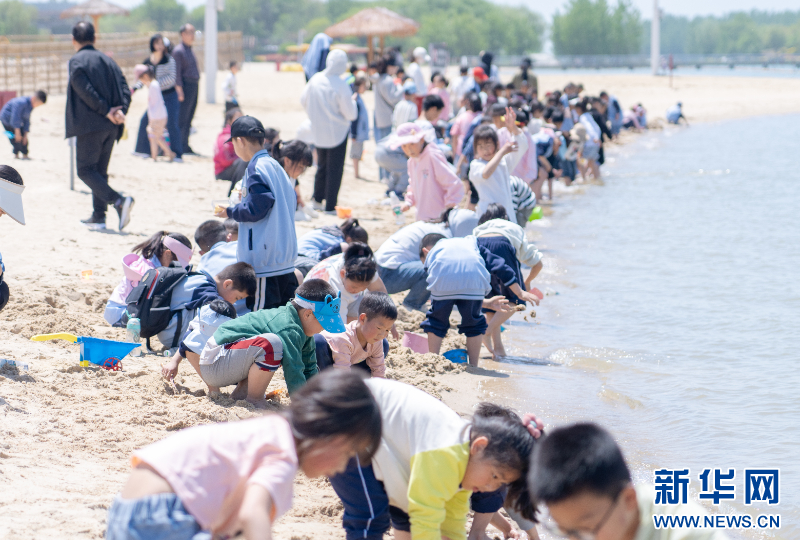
x: 155, y: 15
x: 739, y: 32
x: 17, y: 18
x: 594, y: 27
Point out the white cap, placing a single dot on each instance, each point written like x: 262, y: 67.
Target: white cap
x: 11, y: 200
x: 420, y: 52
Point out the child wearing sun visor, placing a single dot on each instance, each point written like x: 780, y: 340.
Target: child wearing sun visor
x: 248, y: 350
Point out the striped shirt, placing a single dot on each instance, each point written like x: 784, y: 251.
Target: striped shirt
x: 521, y: 195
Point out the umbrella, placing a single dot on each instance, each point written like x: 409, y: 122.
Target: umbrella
x: 373, y: 22
x: 94, y: 9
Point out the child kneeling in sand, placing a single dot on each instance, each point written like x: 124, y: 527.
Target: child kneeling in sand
x: 234, y: 478
x: 247, y: 351
x: 580, y: 474
x: 363, y: 344
x: 459, y: 274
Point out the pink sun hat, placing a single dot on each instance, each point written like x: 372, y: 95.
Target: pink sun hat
x: 138, y: 70
x: 410, y: 133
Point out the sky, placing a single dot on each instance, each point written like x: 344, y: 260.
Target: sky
x: 674, y: 7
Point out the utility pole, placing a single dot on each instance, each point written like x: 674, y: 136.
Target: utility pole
x: 655, y: 39
x: 210, y: 51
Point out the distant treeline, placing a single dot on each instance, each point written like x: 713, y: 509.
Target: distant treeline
x: 466, y: 26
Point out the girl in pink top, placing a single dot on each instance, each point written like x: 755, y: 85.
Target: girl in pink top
x: 462, y: 122
x: 433, y: 185
x: 237, y: 477
x: 156, y: 112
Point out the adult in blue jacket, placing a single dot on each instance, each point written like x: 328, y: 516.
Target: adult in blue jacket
x: 267, y: 237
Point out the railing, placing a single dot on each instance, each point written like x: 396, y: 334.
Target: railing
x: 26, y: 66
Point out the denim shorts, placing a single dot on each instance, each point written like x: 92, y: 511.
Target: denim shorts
x: 155, y: 517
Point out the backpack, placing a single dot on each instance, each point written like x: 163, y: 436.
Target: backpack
x: 149, y: 301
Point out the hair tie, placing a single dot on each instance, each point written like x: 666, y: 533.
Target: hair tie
x: 532, y: 424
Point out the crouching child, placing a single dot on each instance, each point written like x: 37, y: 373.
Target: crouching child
x: 363, y: 344
x: 248, y: 350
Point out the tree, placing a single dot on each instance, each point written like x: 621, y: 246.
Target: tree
x: 593, y: 27
x: 17, y: 18
x: 159, y: 14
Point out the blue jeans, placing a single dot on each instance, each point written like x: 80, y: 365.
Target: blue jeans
x: 380, y: 133
x: 173, y: 112
x: 156, y: 517
x: 411, y: 277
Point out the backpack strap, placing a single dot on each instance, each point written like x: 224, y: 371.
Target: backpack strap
x: 177, y: 337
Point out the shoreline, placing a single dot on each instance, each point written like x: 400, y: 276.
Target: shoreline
x: 67, y: 433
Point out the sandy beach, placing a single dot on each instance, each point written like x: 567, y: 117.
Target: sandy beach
x: 66, y: 433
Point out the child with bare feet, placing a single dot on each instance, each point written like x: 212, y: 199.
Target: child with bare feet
x: 247, y: 351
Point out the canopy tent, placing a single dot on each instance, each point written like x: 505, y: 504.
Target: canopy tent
x: 94, y: 9
x: 373, y: 22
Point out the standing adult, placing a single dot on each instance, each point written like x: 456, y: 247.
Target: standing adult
x: 97, y: 100
x: 316, y: 55
x: 491, y: 70
x: 186, y: 84
x: 331, y: 107
x: 419, y: 57
x: 387, y: 95
x: 166, y: 75
x: 526, y: 80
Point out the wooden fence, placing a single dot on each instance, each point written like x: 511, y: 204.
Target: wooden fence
x: 27, y: 66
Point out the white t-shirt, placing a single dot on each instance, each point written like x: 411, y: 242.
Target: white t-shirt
x: 403, y: 246
x: 156, y: 110
x: 330, y: 270
x: 497, y: 188
x: 229, y: 87
x: 645, y: 496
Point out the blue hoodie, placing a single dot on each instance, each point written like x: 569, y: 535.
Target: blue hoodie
x: 267, y: 237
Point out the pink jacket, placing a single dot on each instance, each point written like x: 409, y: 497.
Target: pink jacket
x: 224, y: 155
x: 432, y: 183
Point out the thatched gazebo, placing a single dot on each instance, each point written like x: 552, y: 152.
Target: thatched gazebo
x: 94, y: 9
x: 373, y: 22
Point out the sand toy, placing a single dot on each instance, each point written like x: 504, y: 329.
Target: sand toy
x: 105, y: 353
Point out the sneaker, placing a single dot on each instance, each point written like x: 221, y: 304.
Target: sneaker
x: 177, y: 160
x: 95, y: 223
x: 317, y: 205
x: 123, y: 207
x: 310, y: 212
x: 299, y: 215
x: 330, y: 212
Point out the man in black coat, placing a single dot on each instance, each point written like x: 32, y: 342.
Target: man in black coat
x: 97, y: 100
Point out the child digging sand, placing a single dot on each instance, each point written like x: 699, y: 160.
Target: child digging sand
x: 429, y: 462
x: 249, y: 350
x: 222, y: 480
x: 459, y: 274
x: 363, y: 344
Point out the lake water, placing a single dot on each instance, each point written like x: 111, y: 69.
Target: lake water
x: 673, y: 317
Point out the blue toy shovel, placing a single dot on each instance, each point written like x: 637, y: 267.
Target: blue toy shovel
x: 457, y: 356
x: 101, y: 352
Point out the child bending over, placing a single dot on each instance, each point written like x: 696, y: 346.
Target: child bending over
x: 363, y: 344
x: 249, y: 350
x: 459, y: 274
x: 161, y: 249
x: 319, y: 244
x: 429, y: 463
x: 234, y: 478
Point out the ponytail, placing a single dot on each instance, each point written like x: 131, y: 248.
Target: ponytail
x: 444, y: 218
x: 510, y: 446
x: 297, y: 151
x: 352, y: 230
x: 359, y: 264
x: 154, y: 246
